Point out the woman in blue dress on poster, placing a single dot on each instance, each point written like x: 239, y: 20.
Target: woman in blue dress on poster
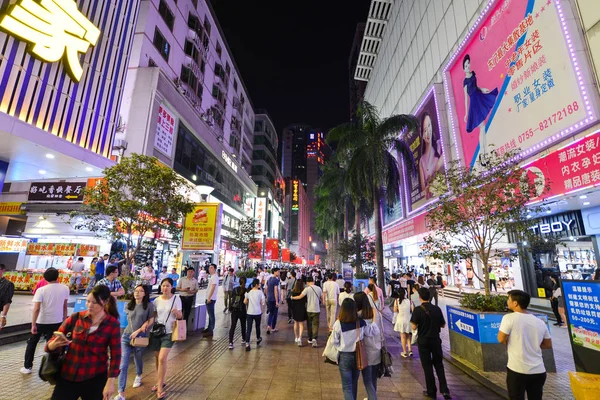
x: 478, y: 104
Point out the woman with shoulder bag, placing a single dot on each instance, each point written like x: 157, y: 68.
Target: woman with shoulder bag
x: 168, y: 310
x: 87, y: 337
x: 347, y: 331
x: 367, y: 310
x: 140, y: 317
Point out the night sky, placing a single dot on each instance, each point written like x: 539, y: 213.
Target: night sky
x: 293, y: 55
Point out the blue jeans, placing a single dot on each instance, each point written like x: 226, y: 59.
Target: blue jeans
x: 126, y: 350
x: 272, y: 310
x: 349, y: 374
x: 210, y: 308
x: 370, y: 375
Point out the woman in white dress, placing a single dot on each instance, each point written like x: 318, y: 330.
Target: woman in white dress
x: 403, y: 306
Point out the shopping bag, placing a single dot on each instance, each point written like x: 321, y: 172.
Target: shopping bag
x: 330, y: 353
x: 179, y: 331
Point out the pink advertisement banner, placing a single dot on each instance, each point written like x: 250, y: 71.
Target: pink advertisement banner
x: 516, y: 81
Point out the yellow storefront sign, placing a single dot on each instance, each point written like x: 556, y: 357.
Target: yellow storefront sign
x: 200, y: 227
x: 11, y: 208
x: 54, y: 29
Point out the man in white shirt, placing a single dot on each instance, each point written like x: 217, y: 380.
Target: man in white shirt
x: 187, y: 288
x: 77, y: 272
x: 313, y: 308
x: 525, y: 336
x: 211, y: 299
x: 49, y: 311
x: 331, y: 291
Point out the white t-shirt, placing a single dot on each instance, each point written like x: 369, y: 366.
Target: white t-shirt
x: 345, y: 295
x: 256, y: 298
x: 313, y: 294
x: 162, y: 308
x: 526, y: 333
x: 331, y: 289
x: 214, y: 280
x: 52, y: 300
x: 78, y: 266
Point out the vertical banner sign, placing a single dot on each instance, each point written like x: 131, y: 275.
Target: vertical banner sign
x: 582, y: 304
x: 3, y: 169
x: 200, y: 227
x: 295, y: 195
x: 261, y: 214
x: 165, y: 130
x: 426, y: 145
x: 516, y: 80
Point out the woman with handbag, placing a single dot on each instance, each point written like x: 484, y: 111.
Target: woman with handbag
x: 86, y: 338
x: 367, y: 310
x: 168, y: 310
x: 403, y: 306
x: 140, y: 317
x: 347, y: 337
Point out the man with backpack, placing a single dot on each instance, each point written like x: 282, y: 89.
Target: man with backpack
x: 237, y: 309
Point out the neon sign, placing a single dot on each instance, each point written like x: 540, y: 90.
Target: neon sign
x: 295, y: 196
x: 552, y: 227
x: 229, y: 161
x: 54, y: 29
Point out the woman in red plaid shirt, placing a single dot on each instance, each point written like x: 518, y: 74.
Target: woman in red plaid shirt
x: 87, y: 371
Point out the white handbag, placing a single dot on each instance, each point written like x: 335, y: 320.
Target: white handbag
x: 330, y: 353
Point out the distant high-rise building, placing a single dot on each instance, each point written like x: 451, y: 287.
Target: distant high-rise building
x: 357, y: 87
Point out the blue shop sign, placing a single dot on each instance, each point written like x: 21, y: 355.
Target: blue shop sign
x: 464, y: 322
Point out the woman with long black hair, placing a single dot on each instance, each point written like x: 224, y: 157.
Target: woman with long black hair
x: 90, y: 336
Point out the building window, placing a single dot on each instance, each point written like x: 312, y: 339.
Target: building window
x: 235, y: 85
x: 207, y: 26
x: 161, y: 44
x: 194, y: 22
x: 202, y: 66
x: 227, y: 68
x: 191, y: 50
x: 166, y: 14
x: 187, y: 76
x: 219, y: 49
x: 219, y: 71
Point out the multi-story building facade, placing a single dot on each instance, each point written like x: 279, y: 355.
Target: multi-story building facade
x: 536, y: 68
x: 297, y: 218
x: 356, y: 86
x: 58, y: 120
x: 185, y: 103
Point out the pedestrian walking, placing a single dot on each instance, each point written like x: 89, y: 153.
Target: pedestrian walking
x: 187, y: 288
x: 374, y: 288
x: 7, y: 290
x: 493, y: 279
x: 404, y: 307
x: 168, y: 310
x: 524, y: 335
x: 101, y: 267
x: 558, y: 303
x: 429, y: 320
x: 368, y: 312
x: 49, y: 311
x: 283, y: 286
x: 440, y: 283
x: 163, y: 274
x: 91, y: 365
x: 140, y: 317
x: 394, y: 288
x: 313, y: 295
x: 291, y: 284
x: 299, y: 314
x: 433, y: 288
x: 372, y: 293
x: 347, y: 293
x: 237, y: 310
x: 347, y: 331
x: 211, y: 299
x: 255, y: 302
x: 148, y: 276
x: 228, y: 284
x: 174, y: 277
x: 273, y: 296
x: 460, y: 281
x: 331, y: 292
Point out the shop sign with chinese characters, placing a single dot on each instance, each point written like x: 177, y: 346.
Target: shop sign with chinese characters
x: 165, y: 131
x: 261, y: 214
x: 518, y: 80
x: 10, y: 208
x: 582, y: 303
x: 295, y: 195
x: 11, y: 245
x: 200, y: 229
x: 54, y: 29
x: 571, y: 168
x: 71, y: 192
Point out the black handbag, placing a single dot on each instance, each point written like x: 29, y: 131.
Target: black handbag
x: 51, y: 365
x: 160, y: 330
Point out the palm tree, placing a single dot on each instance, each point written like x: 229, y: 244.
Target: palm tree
x: 372, y: 170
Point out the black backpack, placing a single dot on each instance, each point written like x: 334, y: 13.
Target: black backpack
x: 237, y: 300
x: 396, y: 287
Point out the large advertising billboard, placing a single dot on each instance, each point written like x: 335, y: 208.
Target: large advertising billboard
x: 427, y: 147
x: 200, y: 229
x: 516, y: 81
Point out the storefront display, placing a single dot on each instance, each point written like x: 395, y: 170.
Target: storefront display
x: 26, y: 280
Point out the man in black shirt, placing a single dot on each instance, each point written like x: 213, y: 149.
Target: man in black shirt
x: 394, y: 289
x: 428, y: 319
x: 7, y: 289
x: 432, y: 282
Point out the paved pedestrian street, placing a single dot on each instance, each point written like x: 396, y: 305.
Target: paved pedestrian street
x: 278, y: 369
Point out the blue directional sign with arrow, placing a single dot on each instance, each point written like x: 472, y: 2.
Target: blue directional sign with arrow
x: 464, y: 322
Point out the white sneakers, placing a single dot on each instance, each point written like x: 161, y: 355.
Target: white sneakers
x: 298, y: 341
x: 314, y: 343
x: 119, y: 397
x: 137, y: 382
x: 25, y: 371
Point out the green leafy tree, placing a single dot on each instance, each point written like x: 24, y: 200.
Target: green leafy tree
x: 478, y: 206
x: 137, y: 197
x: 245, y: 237
x: 372, y: 145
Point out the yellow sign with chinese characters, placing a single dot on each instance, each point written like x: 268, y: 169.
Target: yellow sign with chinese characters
x: 200, y: 229
x: 54, y: 29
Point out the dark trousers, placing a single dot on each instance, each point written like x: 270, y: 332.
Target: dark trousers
x: 210, y: 309
x: 45, y: 330
x: 518, y: 384
x: 430, y: 353
x: 554, y: 304
x: 493, y: 283
x: 289, y: 307
x: 186, y: 305
x: 249, y: 320
x: 313, y: 325
x: 235, y: 315
x: 88, y: 390
x: 434, y: 295
x: 273, y: 311
x: 99, y: 277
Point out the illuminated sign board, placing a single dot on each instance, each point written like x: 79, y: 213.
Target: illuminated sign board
x: 261, y: 214
x: 229, y: 161
x: 295, y: 196
x: 54, y: 29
